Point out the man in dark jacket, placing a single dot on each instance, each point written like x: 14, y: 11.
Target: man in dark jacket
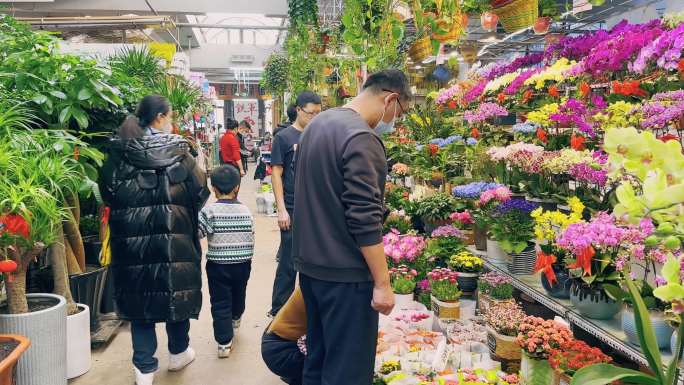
x: 338, y: 216
x: 155, y: 190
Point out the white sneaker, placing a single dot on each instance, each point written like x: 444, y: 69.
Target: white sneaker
x: 143, y: 378
x: 236, y: 323
x: 181, y: 360
x: 224, y: 350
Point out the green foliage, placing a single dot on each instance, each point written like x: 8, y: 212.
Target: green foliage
x: 301, y: 61
x: 275, y: 77
x: 476, y: 6
x: 437, y: 207
x: 303, y: 12
x: 62, y: 88
x: 183, y: 95
x: 549, y: 8
x: 403, y: 285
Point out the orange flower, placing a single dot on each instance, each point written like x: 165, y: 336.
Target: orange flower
x: 77, y: 152
x: 434, y: 149
x: 501, y: 97
x: 475, y: 133
x: 584, y: 89
x: 553, y: 91
x: 452, y: 104
x: 680, y: 66
x: 527, y: 95
x: 14, y: 224
x: 577, y: 142
x: 541, y: 135
x: 629, y: 88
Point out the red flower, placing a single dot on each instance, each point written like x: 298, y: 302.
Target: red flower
x: 577, y: 142
x: 452, y: 104
x: 541, y: 135
x: 680, y: 66
x: 553, y: 91
x: 584, y: 89
x: 434, y: 149
x: 475, y: 133
x: 501, y: 97
x: 668, y: 137
x: 629, y: 88
x: 527, y: 95
x: 14, y: 224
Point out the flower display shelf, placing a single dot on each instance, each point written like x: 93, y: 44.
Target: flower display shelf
x: 607, y: 331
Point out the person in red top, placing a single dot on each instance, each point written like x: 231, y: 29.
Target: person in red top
x: 230, y: 146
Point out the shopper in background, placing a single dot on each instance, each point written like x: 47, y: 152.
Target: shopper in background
x: 337, y: 243
x: 229, y: 228
x: 230, y: 146
x: 283, y: 345
x: 283, y: 178
x: 244, y: 130
x: 155, y: 191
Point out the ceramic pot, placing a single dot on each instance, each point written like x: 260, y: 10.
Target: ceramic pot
x: 495, y: 253
x: 8, y: 365
x: 467, y: 282
x: 560, y: 288
x: 480, y: 237
x: 662, y: 329
x: 592, y: 301
x: 522, y: 263
x: 535, y: 371
x: 402, y: 301
x: 446, y: 310
x: 541, y: 26
x: 502, y: 346
x: 489, y: 20
x: 78, y: 342
x: 46, y: 362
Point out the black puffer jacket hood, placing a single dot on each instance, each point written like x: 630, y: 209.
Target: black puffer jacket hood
x: 155, y: 191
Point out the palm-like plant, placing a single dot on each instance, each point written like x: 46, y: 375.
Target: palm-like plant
x: 183, y: 96
x: 138, y: 62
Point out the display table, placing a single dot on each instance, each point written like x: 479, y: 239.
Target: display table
x: 608, y: 331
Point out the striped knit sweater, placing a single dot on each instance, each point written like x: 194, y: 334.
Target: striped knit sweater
x: 229, y: 228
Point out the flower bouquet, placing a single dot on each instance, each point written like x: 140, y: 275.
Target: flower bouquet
x: 493, y: 288
x: 503, y: 322
x: 575, y: 355
x: 468, y: 267
x: 538, y: 338
x: 445, y: 293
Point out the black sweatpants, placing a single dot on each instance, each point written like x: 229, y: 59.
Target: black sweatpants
x: 342, y: 332
x: 283, y: 358
x: 227, y: 294
x: 286, y: 275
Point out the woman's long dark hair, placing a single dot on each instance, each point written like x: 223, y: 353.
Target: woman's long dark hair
x: 146, y: 113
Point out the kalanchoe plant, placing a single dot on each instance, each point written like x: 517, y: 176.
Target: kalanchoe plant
x: 497, y: 286
x: 575, y: 355
x: 443, y: 285
x: 512, y: 226
x: 505, y: 318
x: 538, y: 337
x: 403, y: 279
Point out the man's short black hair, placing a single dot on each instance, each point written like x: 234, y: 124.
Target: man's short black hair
x: 225, y: 179
x: 389, y: 80
x: 292, y: 113
x: 307, y: 97
x: 231, y: 124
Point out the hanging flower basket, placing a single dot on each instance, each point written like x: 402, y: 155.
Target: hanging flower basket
x: 517, y: 14
x: 542, y: 25
x: 420, y: 49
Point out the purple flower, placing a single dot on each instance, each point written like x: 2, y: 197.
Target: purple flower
x: 519, y: 81
x: 447, y: 231
x: 660, y: 281
x: 474, y: 92
x: 484, y: 112
x: 520, y: 205
x: 473, y: 190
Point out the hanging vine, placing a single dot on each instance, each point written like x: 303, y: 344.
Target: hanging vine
x: 303, y: 12
x: 275, y: 75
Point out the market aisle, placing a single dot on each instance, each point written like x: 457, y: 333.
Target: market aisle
x: 112, y: 365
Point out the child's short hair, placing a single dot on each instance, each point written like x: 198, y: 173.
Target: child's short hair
x: 225, y: 179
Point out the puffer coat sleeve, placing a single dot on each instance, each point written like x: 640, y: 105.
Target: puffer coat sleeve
x: 155, y: 190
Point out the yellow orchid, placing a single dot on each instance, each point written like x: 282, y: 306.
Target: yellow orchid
x: 541, y: 116
x: 556, y: 72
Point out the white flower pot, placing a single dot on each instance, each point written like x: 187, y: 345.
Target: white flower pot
x: 495, y: 253
x: 403, y: 301
x: 78, y: 342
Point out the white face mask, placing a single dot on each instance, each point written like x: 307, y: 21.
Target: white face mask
x: 386, y: 128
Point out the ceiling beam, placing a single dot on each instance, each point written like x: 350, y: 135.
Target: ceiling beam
x: 237, y: 27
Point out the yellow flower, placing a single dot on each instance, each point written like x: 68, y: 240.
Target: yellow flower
x: 555, y: 72
x: 541, y: 116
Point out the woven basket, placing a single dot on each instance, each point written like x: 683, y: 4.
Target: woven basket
x: 420, y: 50
x: 517, y: 14
x: 503, y: 346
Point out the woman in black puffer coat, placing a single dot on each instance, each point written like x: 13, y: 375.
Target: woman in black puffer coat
x: 155, y: 190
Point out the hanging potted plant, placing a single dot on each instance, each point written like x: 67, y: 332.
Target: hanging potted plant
x: 503, y: 323
x: 493, y: 288
x: 513, y: 229
x: 403, y: 281
x: 538, y: 338
x: 445, y: 294
x: 548, y: 11
x: 468, y: 267
x: 593, y: 249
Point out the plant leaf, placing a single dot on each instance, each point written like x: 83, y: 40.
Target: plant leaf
x: 84, y: 94
x: 65, y: 114
x: 602, y: 374
x: 645, y: 332
x: 80, y: 116
x: 58, y: 94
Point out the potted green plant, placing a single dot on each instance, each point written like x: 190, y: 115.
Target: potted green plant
x: 513, y: 228
x: 397, y: 219
x: 436, y: 209
x: 445, y: 241
x: 403, y: 281
x: 468, y: 267
x: 503, y: 322
x: 493, y: 288
x: 445, y: 294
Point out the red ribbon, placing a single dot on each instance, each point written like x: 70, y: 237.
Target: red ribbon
x: 583, y: 260
x: 105, y: 215
x: 545, y: 263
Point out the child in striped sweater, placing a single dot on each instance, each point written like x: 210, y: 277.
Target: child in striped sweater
x: 229, y: 228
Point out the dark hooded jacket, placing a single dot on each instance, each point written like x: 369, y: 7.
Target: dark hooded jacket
x: 155, y: 190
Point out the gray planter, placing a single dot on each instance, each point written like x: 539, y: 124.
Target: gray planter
x: 662, y: 329
x: 45, y: 361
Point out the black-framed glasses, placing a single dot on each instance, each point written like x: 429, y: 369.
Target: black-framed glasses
x: 403, y: 111
x: 312, y: 113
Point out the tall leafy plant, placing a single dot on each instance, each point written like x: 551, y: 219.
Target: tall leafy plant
x: 183, y: 96
x: 275, y: 74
